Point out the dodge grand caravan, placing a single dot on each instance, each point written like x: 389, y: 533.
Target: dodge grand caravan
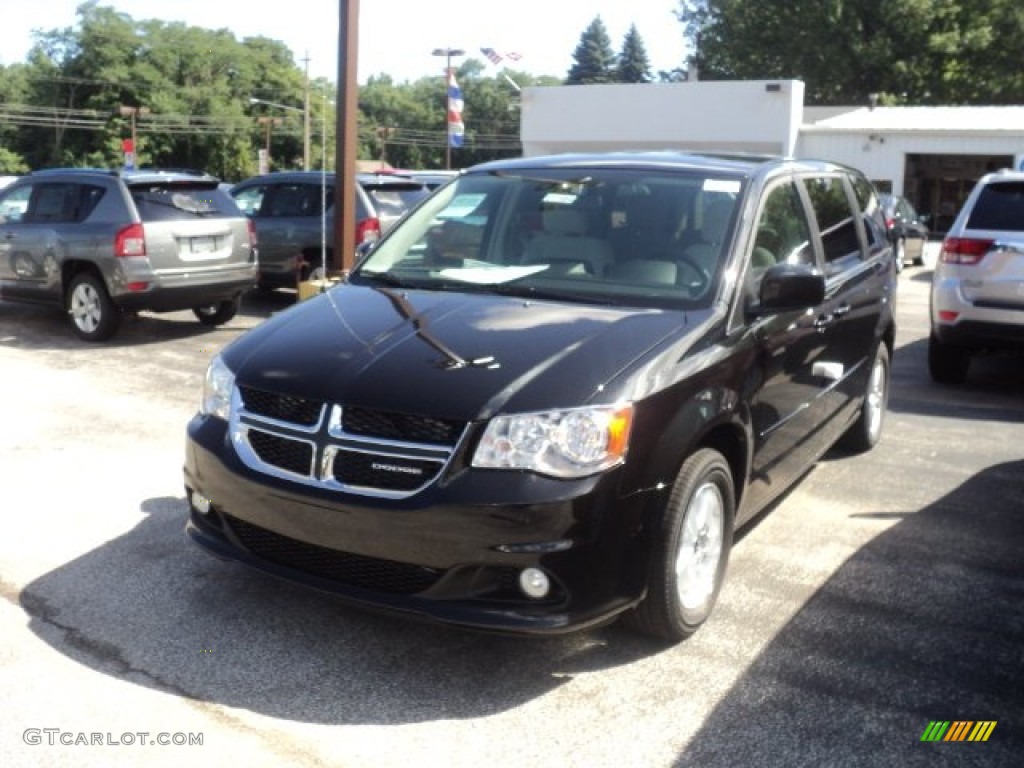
x: 554, y: 391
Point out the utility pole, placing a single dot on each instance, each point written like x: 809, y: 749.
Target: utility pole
x: 305, y: 120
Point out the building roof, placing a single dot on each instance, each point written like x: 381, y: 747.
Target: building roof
x: 990, y: 119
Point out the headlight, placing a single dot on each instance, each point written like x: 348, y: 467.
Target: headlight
x: 570, y: 443
x: 217, y: 390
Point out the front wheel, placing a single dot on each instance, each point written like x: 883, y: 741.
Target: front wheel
x: 690, y: 551
x: 219, y: 313
x: 94, y: 316
x: 866, y: 431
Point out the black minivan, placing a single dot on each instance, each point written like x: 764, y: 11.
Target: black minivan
x: 554, y: 391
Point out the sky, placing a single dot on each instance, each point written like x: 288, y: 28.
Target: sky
x: 396, y: 37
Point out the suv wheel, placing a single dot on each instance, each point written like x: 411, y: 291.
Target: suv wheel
x: 947, y: 364
x: 218, y: 314
x: 866, y: 431
x: 93, y: 315
x: 900, y: 254
x: 690, y: 553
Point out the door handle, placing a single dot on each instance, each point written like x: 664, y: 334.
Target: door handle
x: 823, y: 321
x: 841, y: 310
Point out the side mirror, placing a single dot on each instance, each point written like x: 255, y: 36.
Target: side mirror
x: 789, y: 287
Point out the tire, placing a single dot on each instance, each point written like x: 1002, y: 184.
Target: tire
x: 93, y: 314
x: 218, y: 314
x: 690, y: 551
x: 947, y: 364
x: 901, y: 254
x: 866, y: 431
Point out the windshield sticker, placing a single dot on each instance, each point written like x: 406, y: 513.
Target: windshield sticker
x: 461, y: 207
x: 491, y: 275
x: 722, y: 185
x: 559, y: 198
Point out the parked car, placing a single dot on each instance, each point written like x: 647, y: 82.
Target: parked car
x: 100, y: 242
x: 907, y: 228
x: 296, y: 232
x: 977, y: 291
x: 553, y: 392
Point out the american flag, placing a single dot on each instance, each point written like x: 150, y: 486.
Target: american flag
x: 455, y: 127
x: 496, y: 58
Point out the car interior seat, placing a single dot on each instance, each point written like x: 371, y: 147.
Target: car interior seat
x: 564, y: 244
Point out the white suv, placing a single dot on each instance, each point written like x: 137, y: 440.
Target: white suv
x: 977, y: 296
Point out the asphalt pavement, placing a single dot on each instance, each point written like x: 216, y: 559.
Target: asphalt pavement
x: 886, y: 591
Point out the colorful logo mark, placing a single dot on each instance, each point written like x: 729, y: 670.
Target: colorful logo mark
x: 958, y: 730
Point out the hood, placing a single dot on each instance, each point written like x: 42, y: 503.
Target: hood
x: 455, y: 355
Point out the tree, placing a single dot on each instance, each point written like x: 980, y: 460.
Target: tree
x: 905, y: 51
x: 595, y: 60
x: 633, y: 64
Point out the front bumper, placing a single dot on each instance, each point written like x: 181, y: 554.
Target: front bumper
x: 451, y: 553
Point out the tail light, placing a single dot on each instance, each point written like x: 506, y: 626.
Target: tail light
x: 367, y: 231
x: 964, y: 250
x: 253, y: 240
x: 890, y: 222
x: 130, y: 241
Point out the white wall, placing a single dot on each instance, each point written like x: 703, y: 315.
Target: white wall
x: 735, y: 115
x: 882, y: 155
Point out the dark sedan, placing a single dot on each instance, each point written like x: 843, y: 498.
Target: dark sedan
x: 907, y: 228
x: 554, y: 391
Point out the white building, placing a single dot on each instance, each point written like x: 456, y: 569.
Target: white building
x: 932, y: 155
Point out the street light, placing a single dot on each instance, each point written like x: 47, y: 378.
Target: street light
x: 448, y: 53
x: 305, y: 126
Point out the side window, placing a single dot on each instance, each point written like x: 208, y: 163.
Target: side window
x: 53, y: 203
x: 872, y: 213
x: 14, y: 204
x: 250, y: 199
x: 837, y: 223
x: 89, y: 197
x: 290, y: 200
x: 782, y: 234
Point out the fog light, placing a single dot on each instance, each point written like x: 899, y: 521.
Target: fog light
x: 200, y: 503
x: 534, y: 583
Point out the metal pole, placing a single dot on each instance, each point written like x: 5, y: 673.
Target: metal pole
x: 346, y: 128
x: 305, y: 121
x: 447, y: 110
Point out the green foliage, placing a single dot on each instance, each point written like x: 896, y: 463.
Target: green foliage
x: 633, y: 66
x: 595, y: 60
x: 902, y: 51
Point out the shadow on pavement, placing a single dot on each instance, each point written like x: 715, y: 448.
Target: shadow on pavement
x: 896, y: 638
x: 149, y: 609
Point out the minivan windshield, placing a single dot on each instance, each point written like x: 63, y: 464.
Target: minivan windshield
x: 644, y: 237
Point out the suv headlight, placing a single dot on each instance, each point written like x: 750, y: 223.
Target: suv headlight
x: 568, y: 443
x: 217, y: 387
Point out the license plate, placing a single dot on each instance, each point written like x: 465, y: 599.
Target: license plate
x: 203, y: 244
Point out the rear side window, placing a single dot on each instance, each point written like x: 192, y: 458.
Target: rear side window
x: 999, y: 206
x: 836, y: 220
x: 393, y: 200
x: 291, y: 200
x: 872, y: 211
x: 174, y: 202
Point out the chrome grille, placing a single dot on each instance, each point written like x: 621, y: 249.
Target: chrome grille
x: 400, y: 426
x: 290, y: 455
x: 370, y: 470
x: 358, y: 450
x: 288, y: 408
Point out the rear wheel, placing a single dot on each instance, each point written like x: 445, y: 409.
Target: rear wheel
x: 866, y: 431
x: 94, y: 316
x: 901, y: 254
x: 947, y: 364
x: 219, y: 313
x: 690, y: 551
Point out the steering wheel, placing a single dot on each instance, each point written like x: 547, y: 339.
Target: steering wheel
x: 703, y: 280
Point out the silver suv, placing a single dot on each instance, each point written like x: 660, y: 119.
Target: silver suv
x: 101, y: 242
x: 977, y: 296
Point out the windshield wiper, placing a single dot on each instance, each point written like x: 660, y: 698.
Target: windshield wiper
x: 541, y: 179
